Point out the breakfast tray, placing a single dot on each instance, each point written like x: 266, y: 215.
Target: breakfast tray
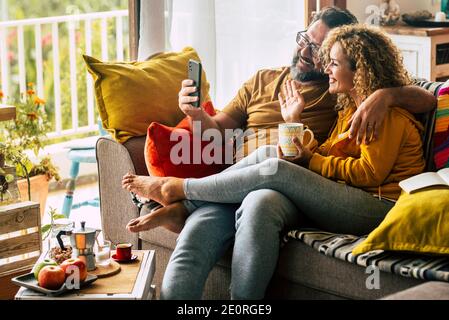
x: 29, y: 281
x: 133, y: 282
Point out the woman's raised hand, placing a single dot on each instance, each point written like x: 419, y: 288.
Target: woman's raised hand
x: 292, y: 101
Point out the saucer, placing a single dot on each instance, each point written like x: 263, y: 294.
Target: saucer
x: 114, y: 257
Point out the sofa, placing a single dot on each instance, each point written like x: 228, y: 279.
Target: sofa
x: 302, y: 272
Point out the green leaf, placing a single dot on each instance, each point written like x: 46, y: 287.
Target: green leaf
x: 9, y: 178
x: 58, y: 216
x: 45, y: 228
x: 2, y: 171
x: 28, y: 165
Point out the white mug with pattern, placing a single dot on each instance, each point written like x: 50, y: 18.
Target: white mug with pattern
x: 287, y: 131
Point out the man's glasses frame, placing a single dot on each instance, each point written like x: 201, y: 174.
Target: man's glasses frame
x: 302, y: 38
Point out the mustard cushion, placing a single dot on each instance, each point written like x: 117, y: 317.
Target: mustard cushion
x: 419, y: 222
x: 131, y: 95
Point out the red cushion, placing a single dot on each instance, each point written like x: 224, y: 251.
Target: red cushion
x: 158, y: 147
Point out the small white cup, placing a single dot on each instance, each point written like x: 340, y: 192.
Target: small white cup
x: 287, y: 131
x: 103, y: 253
x: 440, y: 16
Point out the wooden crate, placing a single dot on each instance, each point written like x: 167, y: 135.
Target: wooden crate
x: 20, y: 242
x: 7, y: 112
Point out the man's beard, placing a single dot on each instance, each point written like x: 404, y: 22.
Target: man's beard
x: 313, y: 75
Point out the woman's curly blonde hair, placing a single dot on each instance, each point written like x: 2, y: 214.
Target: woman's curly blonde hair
x: 376, y: 61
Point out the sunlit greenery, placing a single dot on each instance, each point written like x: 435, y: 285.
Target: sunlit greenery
x: 30, y: 126
x: 26, y: 132
x: 25, y: 9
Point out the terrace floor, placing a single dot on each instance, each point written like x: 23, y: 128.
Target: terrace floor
x: 89, y: 214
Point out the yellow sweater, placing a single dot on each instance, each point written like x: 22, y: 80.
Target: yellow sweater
x: 379, y: 166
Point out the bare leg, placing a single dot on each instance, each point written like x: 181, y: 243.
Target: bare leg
x: 171, y: 217
x: 164, y: 190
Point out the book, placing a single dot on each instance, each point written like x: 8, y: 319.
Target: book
x: 426, y: 179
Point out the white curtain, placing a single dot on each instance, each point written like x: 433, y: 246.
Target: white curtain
x: 234, y: 38
x: 152, y: 28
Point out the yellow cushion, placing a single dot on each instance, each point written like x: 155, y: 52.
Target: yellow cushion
x: 419, y: 222
x: 131, y: 95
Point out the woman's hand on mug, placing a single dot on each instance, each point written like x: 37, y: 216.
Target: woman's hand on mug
x: 293, y: 104
x: 185, y: 101
x: 302, y: 158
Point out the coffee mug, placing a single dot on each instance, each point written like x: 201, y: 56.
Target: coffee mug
x: 123, y: 251
x: 287, y: 131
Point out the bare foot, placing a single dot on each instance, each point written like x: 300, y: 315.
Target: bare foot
x: 171, y: 217
x: 164, y: 190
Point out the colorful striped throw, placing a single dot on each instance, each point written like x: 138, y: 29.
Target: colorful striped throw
x: 441, y: 135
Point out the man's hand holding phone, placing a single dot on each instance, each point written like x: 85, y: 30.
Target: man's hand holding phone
x: 190, y: 94
x: 185, y: 100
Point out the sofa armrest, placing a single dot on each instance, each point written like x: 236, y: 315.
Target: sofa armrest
x: 432, y: 290
x: 116, y: 206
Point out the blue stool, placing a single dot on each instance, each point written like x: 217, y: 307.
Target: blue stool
x: 78, y: 154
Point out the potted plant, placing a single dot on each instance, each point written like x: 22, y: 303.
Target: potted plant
x: 5, y: 180
x: 28, y: 131
x: 8, y: 190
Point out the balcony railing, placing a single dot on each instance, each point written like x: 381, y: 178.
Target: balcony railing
x: 66, y: 96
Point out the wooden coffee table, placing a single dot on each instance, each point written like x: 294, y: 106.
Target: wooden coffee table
x: 133, y: 282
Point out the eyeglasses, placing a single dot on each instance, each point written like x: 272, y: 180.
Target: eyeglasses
x: 303, y: 41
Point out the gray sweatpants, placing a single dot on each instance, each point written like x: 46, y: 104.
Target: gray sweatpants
x: 332, y: 206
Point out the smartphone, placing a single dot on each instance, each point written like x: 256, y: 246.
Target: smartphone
x: 195, y: 75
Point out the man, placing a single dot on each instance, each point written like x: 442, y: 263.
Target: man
x: 255, y: 226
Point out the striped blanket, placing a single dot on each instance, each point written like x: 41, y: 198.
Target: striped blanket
x: 441, y: 135
x: 405, y: 264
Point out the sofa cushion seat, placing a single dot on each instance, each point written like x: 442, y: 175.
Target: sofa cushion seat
x: 159, y: 237
x: 297, y: 267
x: 340, y: 274
x: 432, y: 290
x: 302, y: 265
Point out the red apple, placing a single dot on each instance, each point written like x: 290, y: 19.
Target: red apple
x: 51, y: 277
x: 80, y: 264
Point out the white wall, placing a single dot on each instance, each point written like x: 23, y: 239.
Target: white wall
x: 357, y: 7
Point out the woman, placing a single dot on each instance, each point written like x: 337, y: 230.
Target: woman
x: 360, y: 60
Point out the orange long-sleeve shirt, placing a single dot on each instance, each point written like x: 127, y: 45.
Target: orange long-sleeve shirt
x: 378, y: 167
